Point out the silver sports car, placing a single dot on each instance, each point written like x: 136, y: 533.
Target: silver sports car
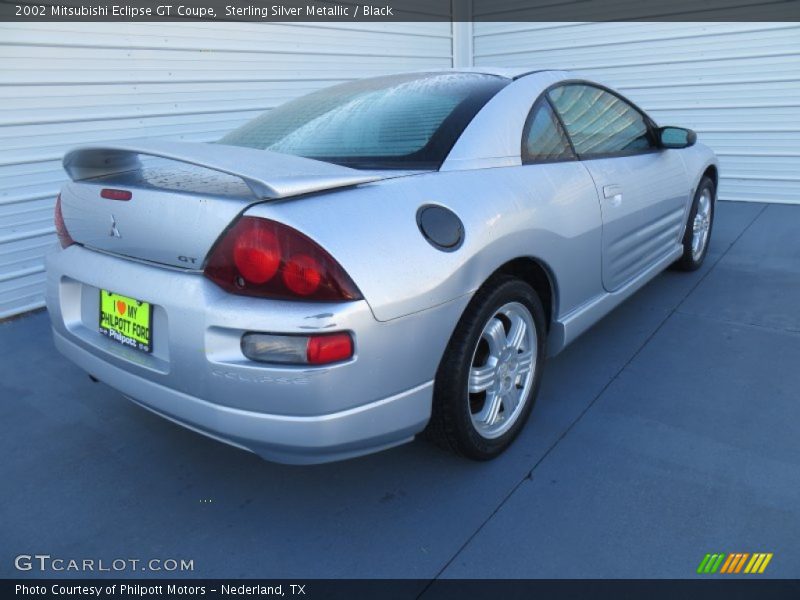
x: 372, y: 261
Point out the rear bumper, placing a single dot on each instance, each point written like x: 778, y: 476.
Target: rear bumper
x: 198, y: 377
x: 281, y: 438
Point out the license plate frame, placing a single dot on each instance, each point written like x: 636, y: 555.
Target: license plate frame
x: 128, y: 321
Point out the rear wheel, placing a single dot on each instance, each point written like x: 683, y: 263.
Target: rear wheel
x: 489, y: 376
x: 698, y: 227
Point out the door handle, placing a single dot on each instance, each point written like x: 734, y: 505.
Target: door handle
x: 613, y: 193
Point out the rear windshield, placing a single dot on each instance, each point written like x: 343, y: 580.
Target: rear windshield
x: 394, y: 122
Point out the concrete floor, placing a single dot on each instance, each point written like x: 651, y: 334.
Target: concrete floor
x: 670, y: 430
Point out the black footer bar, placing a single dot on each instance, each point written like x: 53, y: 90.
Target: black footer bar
x: 550, y: 589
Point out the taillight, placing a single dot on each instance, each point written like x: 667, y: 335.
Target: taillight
x: 64, y: 238
x: 256, y: 254
x: 259, y: 257
x: 315, y: 349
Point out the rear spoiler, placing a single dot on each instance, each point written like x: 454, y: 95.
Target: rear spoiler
x: 267, y: 174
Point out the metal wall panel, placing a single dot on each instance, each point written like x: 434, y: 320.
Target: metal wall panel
x: 63, y: 84
x: 736, y: 84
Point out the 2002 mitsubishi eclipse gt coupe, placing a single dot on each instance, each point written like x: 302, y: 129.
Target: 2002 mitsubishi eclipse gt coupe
x: 375, y: 260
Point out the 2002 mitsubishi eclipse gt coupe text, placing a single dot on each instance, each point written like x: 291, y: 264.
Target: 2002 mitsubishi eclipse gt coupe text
x: 373, y: 260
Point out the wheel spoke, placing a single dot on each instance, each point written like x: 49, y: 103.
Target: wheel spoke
x: 491, y: 409
x: 525, y: 361
x: 704, y: 205
x: 495, y: 335
x: 481, y: 378
x: 517, y: 334
x: 510, y: 401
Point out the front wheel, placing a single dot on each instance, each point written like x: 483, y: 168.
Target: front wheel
x: 698, y: 227
x: 487, y: 381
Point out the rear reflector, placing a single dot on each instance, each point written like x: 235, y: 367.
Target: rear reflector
x: 110, y: 194
x: 324, y: 349
x: 298, y: 349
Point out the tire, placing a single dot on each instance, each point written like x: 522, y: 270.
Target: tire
x: 480, y: 424
x: 700, y: 223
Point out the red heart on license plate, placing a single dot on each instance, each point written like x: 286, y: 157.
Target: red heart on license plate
x: 121, y: 307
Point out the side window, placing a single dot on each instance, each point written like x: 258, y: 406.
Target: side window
x: 600, y: 123
x: 543, y: 138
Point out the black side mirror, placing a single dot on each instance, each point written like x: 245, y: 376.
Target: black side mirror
x: 676, y: 137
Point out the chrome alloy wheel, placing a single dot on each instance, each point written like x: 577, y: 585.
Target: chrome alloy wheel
x: 502, y: 370
x: 701, y: 224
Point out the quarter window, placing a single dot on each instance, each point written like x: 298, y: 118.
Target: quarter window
x: 600, y: 123
x: 543, y: 138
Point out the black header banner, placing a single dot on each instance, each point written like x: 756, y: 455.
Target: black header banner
x: 389, y: 11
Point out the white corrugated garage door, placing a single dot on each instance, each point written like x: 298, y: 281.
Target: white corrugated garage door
x: 736, y: 84
x: 63, y: 84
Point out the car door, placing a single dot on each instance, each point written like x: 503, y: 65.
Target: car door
x: 643, y: 189
x: 566, y: 205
